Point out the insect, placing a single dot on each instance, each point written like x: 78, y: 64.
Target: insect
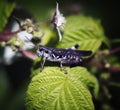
x: 63, y: 56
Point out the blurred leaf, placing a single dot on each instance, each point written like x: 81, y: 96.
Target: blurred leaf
x: 85, y: 31
x: 17, y: 101
x: 41, y: 9
x: 105, y: 76
x: 49, y: 36
x: 115, y: 40
x: 46, y: 34
x: 106, y: 107
x: 113, y: 60
x: 5, y: 11
x: 54, y: 90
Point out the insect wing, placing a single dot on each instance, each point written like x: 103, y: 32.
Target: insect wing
x: 83, y: 52
x: 78, y: 52
x: 63, y: 52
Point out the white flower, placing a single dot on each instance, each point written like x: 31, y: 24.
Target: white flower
x: 25, y: 37
x: 59, y: 21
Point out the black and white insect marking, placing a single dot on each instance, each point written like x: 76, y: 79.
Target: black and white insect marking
x: 63, y: 56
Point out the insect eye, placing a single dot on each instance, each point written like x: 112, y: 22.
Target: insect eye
x: 40, y: 49
x: 60, y: 56
x: 46, y: 51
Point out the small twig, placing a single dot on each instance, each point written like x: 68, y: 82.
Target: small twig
x: 29, y: 54
x: 18, y: 21
x: 114, y: 51
x: 95, y: 63
x: 101, y: 66
x: 6, y: 35
x: 114, y: 69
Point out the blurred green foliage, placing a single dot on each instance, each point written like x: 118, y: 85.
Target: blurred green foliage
x: 5, y: 11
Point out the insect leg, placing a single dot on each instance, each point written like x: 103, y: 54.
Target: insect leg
x: 61, y: 66
x: 42, y: 63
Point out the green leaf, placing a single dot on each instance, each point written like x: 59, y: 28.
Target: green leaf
x: 5, y: 11
x: 54, y: 90
x: 83, y: 30
x: 88, y: 79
